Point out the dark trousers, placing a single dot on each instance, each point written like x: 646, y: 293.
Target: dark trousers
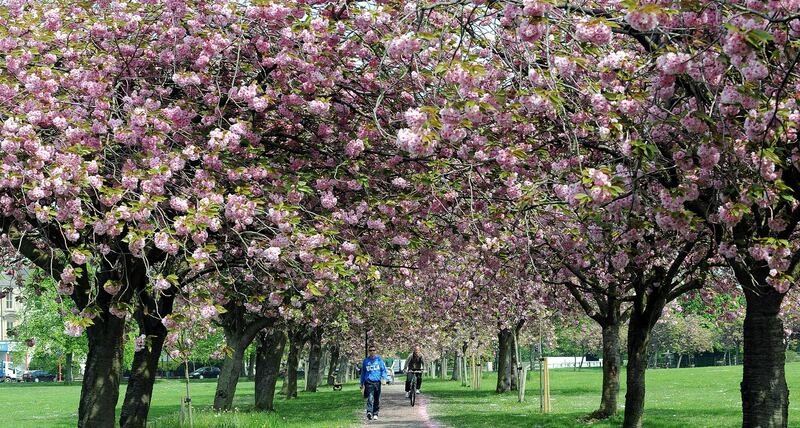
x: 410, y: 377
x: 372, y: 390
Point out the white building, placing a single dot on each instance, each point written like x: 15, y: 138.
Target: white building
x: 8, y: 319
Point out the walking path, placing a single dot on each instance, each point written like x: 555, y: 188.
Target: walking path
x: 396, y: 410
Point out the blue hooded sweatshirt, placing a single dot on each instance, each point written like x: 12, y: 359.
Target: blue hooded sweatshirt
x: 373, y: 369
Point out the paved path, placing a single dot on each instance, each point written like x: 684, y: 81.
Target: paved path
x: 396, y: 410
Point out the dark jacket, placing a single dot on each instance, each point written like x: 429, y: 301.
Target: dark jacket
x: 414, y: 362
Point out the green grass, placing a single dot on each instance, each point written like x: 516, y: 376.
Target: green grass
x: 698, y: 397
x: 703, y: 397
x: 54, y: 405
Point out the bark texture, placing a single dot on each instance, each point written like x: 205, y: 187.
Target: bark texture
x: 334, y: 362
x: 100, y: 387
x: 268, y: 362
x: 314, y: 360
x: 504, y: 361
x: 765, y: 395
x: 296, y: 343
x: 240, y: 331
x: 611, y: 367
x: 139, y: 392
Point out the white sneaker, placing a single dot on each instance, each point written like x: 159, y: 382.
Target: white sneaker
x: 374, y: 417
x: 408, y: 394
x: 369, y: 416
x: 417, y: 391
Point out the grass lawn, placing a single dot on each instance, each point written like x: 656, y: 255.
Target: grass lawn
x: 702, y: 397
x: 54, y: 405
x: 697, y: 397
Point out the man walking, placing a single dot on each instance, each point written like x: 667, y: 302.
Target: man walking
x: 373, y: 373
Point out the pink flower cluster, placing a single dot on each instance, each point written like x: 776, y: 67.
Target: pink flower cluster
x: 673, y: 63
x: 403, y: 47
x: 240, y: 210
x: 595, y: 33
x: 71, y: 328
x: 642, y: 21
x: 535, y: 7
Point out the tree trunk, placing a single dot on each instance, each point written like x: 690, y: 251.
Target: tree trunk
x: 268, y: 363
x: 765, y: 395
x: 240, y: 330
x: 456, y: 368
x: 680, y: 358
x: 229, y: 374
x: 314, y: 360
x: 344, y: 371
x: 611, y: 365
x: 333, y: 364
x: 638, y: 341
x: 68, y: 373
x: 504, y: 361
x: 289, y: 388
x: 100, y: 387
x: 139, y: 393
x: 323, y: 363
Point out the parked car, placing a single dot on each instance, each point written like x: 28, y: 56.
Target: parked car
x: 38, y: 376
x: 205, y: 373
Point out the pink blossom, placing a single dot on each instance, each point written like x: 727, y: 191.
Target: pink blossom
x: 597, y: 33
x: 709, y: 156
x: 642, y: 21
x: 68, y: 275
x: 376, y: 224
x: 354, y: 148
x: 399, y: 182
x: 349, y: 248
x: 328, y: 200
x: 415, y: 118
x: 599, y: 178
x: 673, y: 63
x: 161, y: 284
x: 535, y: 7
x: 272, y: 254
x: 169, y: 323
x: 400, y: 240
x: 208, y: 311
x: 620, y: 261
x: 402, y: 47
x: 275, y: 299
x: 73, y: 329
x: 79, y: 258
x: 139, y: 343
x: 112, y: 287
x: 754, y: 71
x: 318, y: 107
x: 118, y: 312
x: 727, y: 214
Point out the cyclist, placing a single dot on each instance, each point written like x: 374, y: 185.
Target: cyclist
x: 414, y: 363
x: 373, y: 373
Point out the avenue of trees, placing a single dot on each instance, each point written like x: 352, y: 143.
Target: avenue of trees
x: 290, y: 174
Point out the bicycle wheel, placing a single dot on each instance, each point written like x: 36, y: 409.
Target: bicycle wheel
x: 412, y: 395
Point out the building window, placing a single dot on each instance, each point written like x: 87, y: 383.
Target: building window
x: 9, y: 301
x: 9, y: 326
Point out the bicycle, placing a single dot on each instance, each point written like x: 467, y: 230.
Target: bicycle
x: 412, y: 393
